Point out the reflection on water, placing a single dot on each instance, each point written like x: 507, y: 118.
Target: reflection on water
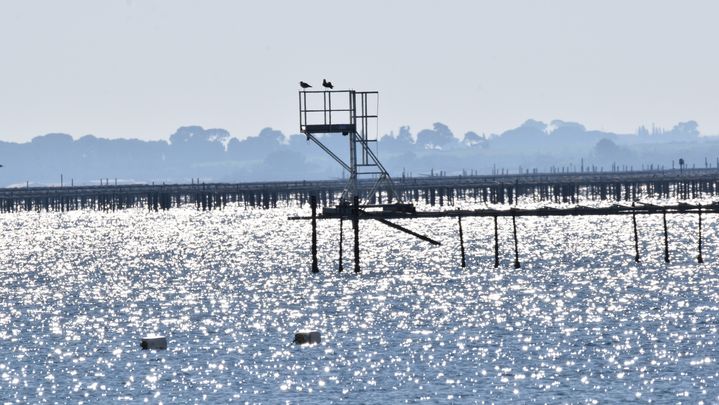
x: 580, y: 321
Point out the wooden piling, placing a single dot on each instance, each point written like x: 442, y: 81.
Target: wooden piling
x: 461, y: 241
x: 636, y: 236
x: 516, y: 251
x: 700, y: 259
x: 666, y: 236
x: 496, y: 243
x: 313, y: 206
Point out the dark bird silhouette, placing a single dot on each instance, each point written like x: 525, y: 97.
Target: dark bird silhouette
x: 304, y: 85
x: 327, y: 84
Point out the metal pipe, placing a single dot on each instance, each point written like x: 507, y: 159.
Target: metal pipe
x: 355, y: 226
x: 341, y: 265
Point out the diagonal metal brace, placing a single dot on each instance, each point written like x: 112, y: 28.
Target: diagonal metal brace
x: 328, y: 151
x: 400, y: 228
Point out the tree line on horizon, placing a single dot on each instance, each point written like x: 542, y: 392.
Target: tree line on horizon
x: 213, y: 155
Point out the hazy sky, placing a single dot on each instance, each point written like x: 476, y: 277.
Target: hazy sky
x: 121, y: 68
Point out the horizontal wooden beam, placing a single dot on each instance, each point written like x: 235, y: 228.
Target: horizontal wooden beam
x: 539, y: 212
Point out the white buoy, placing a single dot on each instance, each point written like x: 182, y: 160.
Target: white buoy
x: 154, y: 342
x: 307, y: 336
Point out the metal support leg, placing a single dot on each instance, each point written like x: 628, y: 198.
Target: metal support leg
x: 355, y: 226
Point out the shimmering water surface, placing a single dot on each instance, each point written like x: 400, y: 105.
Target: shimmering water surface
x: 578, y: 322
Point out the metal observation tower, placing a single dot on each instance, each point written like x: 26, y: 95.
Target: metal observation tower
x: 354, y: 115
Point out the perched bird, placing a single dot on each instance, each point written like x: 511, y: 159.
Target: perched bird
x: 304, y: 85
x: 327, y: 84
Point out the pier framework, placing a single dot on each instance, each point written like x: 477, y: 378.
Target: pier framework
x: 569, y: 188
x: 507, y: 190
x: 355, y: 213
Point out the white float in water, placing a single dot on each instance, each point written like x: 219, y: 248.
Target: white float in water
x: 154, y: 342
x: 307, y: 336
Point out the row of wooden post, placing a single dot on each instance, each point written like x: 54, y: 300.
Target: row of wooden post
x: 700, y: 258
x: 355, y: 227
x: 516, y: 243
x: 496, y: 243
x: 517, y: 265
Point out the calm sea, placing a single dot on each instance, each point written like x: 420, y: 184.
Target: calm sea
x: 579, y: 322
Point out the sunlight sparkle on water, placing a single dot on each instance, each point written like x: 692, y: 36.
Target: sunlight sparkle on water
x: 580, y: 319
